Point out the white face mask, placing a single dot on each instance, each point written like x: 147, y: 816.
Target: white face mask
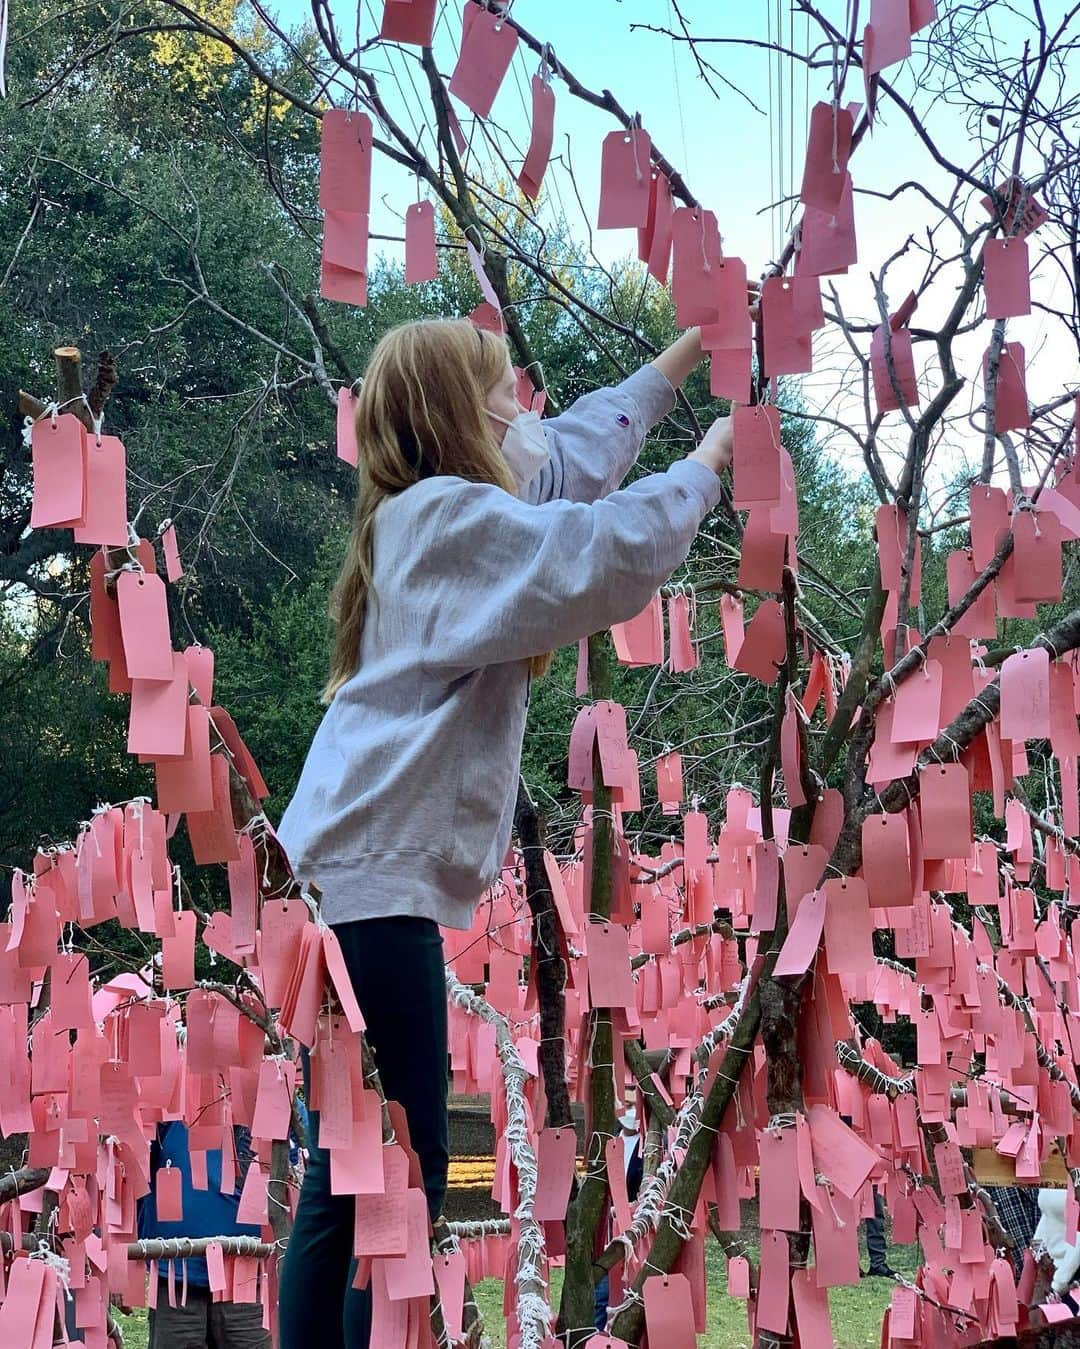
x: 524, y: 446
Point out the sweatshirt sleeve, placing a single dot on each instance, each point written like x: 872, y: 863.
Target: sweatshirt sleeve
x: 505, y: 580
x: 594, y: 444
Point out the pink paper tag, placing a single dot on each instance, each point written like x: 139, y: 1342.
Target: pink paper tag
x: 347, y: 448
x: 654, y: 241
x: 105, y: 514
x: 178, y: 953
x: 1006, y: 276
x: 756, y: 455
x: 669, y: 1316
x: 849, y: 933
x: 732, y: 328
x: 615, y: 1163
x: 801, y: 943
x: 902, y: 1313
x: 1011, y: 406
x: 543, y: 130
x: 58, y: 452
x: 738, y: 1277
x: 762, y: 650
x: 421, y: 262
x: 144, y: 624
x: 779, y: 1179
x: 731, y: 618
x: 945, y: 811
x: 898, y: 387
x: 840, y: 1155
x: 345, y: 161
x: 625, y: 179
x: 696, y: 255
x: 339, y: 978
x: 488, y: 44
x: 786, y: 344
x: 215, y: 1268
x: 1025, y: 695
x: 827, y: 243
x: 382, y: 1220
x: 413, y: 22
x: 887, y: 38
x: 555, y: 1153
x: 774, y: 1288
x: 950, y: 1168
x: 886, y: 865
x: 158, y: 719
x: 827, y: 152
x: 610, y: 981
x: 173, y: 566
x: 640, y: 640
x: 411, y: 1275
x: 917, y: 705
x: 811, y: 1309
x: 273, y: 1099
x: 450, y: 1277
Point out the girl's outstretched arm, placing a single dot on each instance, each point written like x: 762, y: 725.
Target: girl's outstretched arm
x: 679, y: 360
x: 676, y: 362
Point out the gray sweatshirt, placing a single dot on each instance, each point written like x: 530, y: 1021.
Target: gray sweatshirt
x: 406, y: 799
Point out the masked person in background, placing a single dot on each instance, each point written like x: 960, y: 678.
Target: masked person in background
x: 482, y: 541
x: 635, y: 1169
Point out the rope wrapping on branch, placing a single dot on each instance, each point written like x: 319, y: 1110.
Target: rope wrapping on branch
x: 725, y: 1029
x: 850, y: 1059
x: 533, y: 1307
x: 166, y: 1248
x: 477, y: 1231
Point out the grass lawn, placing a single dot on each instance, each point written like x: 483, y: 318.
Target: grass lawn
x: 135, y: 1330
x: 856, y: 1311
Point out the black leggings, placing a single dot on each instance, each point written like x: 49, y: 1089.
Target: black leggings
x: 396, y: 967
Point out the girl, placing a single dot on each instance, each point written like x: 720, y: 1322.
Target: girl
x: 483, y: 540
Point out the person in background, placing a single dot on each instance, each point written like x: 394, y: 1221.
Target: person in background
x: 1050, y: 1234
x: 1017, y: 1208
x: 877, y: 1248
x: 633, y: 1162
x: 201, y: 1323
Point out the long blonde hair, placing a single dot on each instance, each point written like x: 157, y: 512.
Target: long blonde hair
x: 420, y: 412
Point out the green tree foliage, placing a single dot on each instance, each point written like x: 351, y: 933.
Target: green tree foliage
x: 165, y: 227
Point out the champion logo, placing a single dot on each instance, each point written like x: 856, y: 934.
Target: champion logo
x: 623, y: 419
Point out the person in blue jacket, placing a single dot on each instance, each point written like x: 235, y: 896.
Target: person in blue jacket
x: 201, y: 1323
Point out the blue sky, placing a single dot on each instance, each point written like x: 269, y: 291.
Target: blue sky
x: 738, y: 151
x: 728, y: 149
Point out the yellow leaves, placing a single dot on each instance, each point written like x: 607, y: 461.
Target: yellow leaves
x: 201, y: 59
x: 278, y: 108
x: 203, y: 62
